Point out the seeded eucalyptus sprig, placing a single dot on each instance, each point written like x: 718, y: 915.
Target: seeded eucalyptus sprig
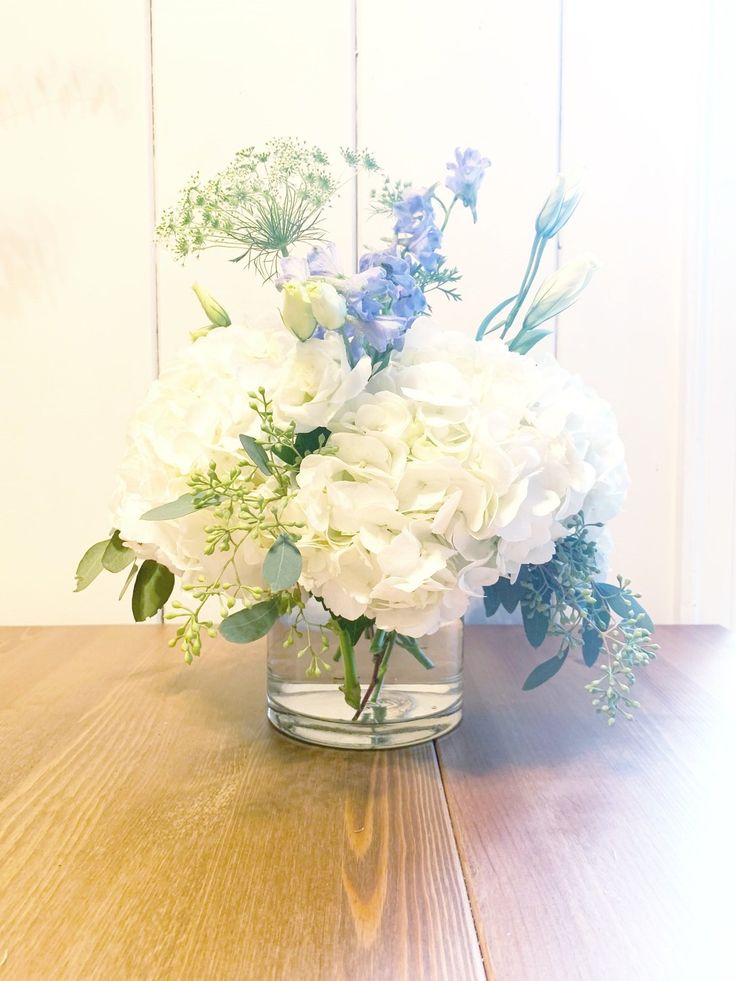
x: 262, y: 204
x: 565, y: 599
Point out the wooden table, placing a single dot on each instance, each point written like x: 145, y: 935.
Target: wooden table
x: 152, y: 824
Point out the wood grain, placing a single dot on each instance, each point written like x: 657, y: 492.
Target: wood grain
x: 152, y: 825
x: 593, y: 853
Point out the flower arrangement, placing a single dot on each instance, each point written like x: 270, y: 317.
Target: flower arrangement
x: 356, y: 453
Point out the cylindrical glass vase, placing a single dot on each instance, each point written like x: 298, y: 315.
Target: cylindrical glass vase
x: 411, y: 704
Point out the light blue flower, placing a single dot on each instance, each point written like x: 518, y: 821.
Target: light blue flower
x: 466, y: 173
x: 558, y: 208
x: 417, y: 234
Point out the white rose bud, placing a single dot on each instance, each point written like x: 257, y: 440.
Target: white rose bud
x: 296, y: 312
x: 327, y: 305
x: 216, y: 314
x: 559, y: 206
x: 560, y: 290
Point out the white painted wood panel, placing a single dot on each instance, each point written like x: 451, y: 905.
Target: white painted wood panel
x: 630, y: 118
x: 465, y: 74
x: 75, y: 289
x: 228, y: 75
x: 77, y: 268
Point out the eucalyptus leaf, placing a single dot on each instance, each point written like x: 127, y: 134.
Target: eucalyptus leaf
x: 312, y: 441
x: 153, y: 586
x: 174, y: 509
x: 256, y: 452
x: 536, y: 625
x: 90, y: 565
x: 510, y: 593
x: 251, y: 623
x: 623, y: 603
x: 129, y: 579
x: 491, y: 600
x: 592, y: 643
x: 410, y: 645
x: 544, y: 671
x: 117, y: 556
x: 283, y: 564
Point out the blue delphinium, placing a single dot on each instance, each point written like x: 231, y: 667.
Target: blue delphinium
x: 416, y: 230
x: 466, y: 173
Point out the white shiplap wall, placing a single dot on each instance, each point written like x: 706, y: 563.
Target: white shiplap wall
x: 530, y: 83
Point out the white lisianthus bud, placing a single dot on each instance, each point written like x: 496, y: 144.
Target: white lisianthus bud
x: 560, y: 290
x: 559, y: 206
x: 216, y: 314
x: 327, y: 305
x: 296, y: 312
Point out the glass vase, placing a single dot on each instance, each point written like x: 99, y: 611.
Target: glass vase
x: 403, y: 702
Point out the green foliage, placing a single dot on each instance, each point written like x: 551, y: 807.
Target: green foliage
x: 442, y: 279
x: 249, y: 502
x: 117, y: 556
x: 354, y: 629
x: 283, y: 564
x: 257, y: 453
x: 251, y: 623
x: 90, y: 565
x: 409, y: 644
x: 389, y: 194
x: 526, y: 340
x: 173, y: 509
x: 153, y: 586
x: 563, y: 599
x: 546, y: 670
x: 359, y: 158
x: 262, y: 204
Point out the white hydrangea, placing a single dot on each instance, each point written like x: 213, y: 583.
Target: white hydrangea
x: 455, y: 465
x: 458, y: 464
x: 196, y: 412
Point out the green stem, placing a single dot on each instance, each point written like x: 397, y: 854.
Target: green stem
x: 448, y: 212
x: 351, y: 686
x: 532, y: 268
x: 383, y: 668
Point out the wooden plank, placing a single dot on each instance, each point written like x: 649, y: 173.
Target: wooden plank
x: 593, y: 853
x: 76, y: 288
x: 152, y: 824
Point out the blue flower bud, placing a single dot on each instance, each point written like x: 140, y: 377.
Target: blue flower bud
x: 559, y: 206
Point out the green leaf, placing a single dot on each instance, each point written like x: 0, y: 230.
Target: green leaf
x: 90, y: 565
x: 485, y: 322
x: 312, y: 441
x: 510, y: 593
x: 286, y: 453
x: 592, y: 643
x: 623, y: 603
x: 256, y: 452
x: 353, y: 628
x: 153, y: 586
x: 410, y: 645
x: 117, y: 556
x: 544, y: 671
x: 283, y: 564
x: 174, y: 509
x: 536, y: 625
x: 251, y: 623
x: 526, y: 339
x: 491, y: 600
x: 130, y: 577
